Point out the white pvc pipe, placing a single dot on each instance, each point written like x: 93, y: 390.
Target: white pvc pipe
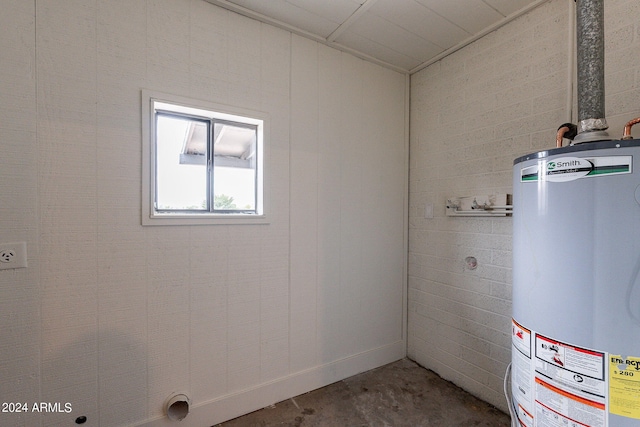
x: 177, y: 407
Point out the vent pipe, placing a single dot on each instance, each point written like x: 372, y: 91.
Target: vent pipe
x: 592, y: 124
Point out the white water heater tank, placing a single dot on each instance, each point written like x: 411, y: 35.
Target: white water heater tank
x: 576, y: 286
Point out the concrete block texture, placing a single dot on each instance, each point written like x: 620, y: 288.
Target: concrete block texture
x: 497, y: 99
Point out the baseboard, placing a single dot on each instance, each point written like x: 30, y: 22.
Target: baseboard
x: 231, y: 406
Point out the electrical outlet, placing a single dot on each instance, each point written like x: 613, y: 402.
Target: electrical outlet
x: 13, y: 255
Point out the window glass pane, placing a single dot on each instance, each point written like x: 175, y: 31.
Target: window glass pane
x: 234, y: 189
x: 181, y: 166
x: 234, y: 167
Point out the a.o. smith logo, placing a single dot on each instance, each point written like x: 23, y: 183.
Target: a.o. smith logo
x: 567, y: 169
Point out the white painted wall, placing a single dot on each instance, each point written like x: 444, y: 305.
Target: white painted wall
x: 472, y: 114
x: 111, y: 316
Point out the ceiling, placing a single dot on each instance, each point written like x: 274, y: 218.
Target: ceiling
x: 405, y: 35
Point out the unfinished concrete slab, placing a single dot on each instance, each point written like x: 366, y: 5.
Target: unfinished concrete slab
x: 396, y: 395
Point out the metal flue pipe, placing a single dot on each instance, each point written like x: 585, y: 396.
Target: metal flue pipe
x: 590, y: 54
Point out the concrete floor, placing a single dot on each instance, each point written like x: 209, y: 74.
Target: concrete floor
x: 396, y: 395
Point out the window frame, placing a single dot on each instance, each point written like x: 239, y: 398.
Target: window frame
x: 153, y: 101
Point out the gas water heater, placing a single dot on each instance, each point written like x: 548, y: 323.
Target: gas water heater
x: 576, y: 286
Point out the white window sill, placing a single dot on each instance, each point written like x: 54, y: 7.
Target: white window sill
x: 204, y: 219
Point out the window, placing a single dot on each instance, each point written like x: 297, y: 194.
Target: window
x: 204, y: 162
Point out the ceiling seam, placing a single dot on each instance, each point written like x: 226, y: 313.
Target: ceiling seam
x: 350, y: 20
x: 444, y: 17
x: 478, y: 36
x: 484, y: 1
x: 300, y: 32
x: 264, y: 18
x: 330, y: 40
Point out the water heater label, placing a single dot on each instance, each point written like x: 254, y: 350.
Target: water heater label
x: 521, y: 338
x: 521, y: 368
x: 570, y: 385
x: 624, y: 386
x: 566, y: 169
x: 558, y: 384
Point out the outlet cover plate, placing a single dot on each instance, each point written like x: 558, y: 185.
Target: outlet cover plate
x: 13, y: 255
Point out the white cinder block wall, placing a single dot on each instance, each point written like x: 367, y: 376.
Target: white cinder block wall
x: 113, y: 317
x: 472, y: 114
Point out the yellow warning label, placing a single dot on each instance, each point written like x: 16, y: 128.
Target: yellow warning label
x: 624, y: 386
